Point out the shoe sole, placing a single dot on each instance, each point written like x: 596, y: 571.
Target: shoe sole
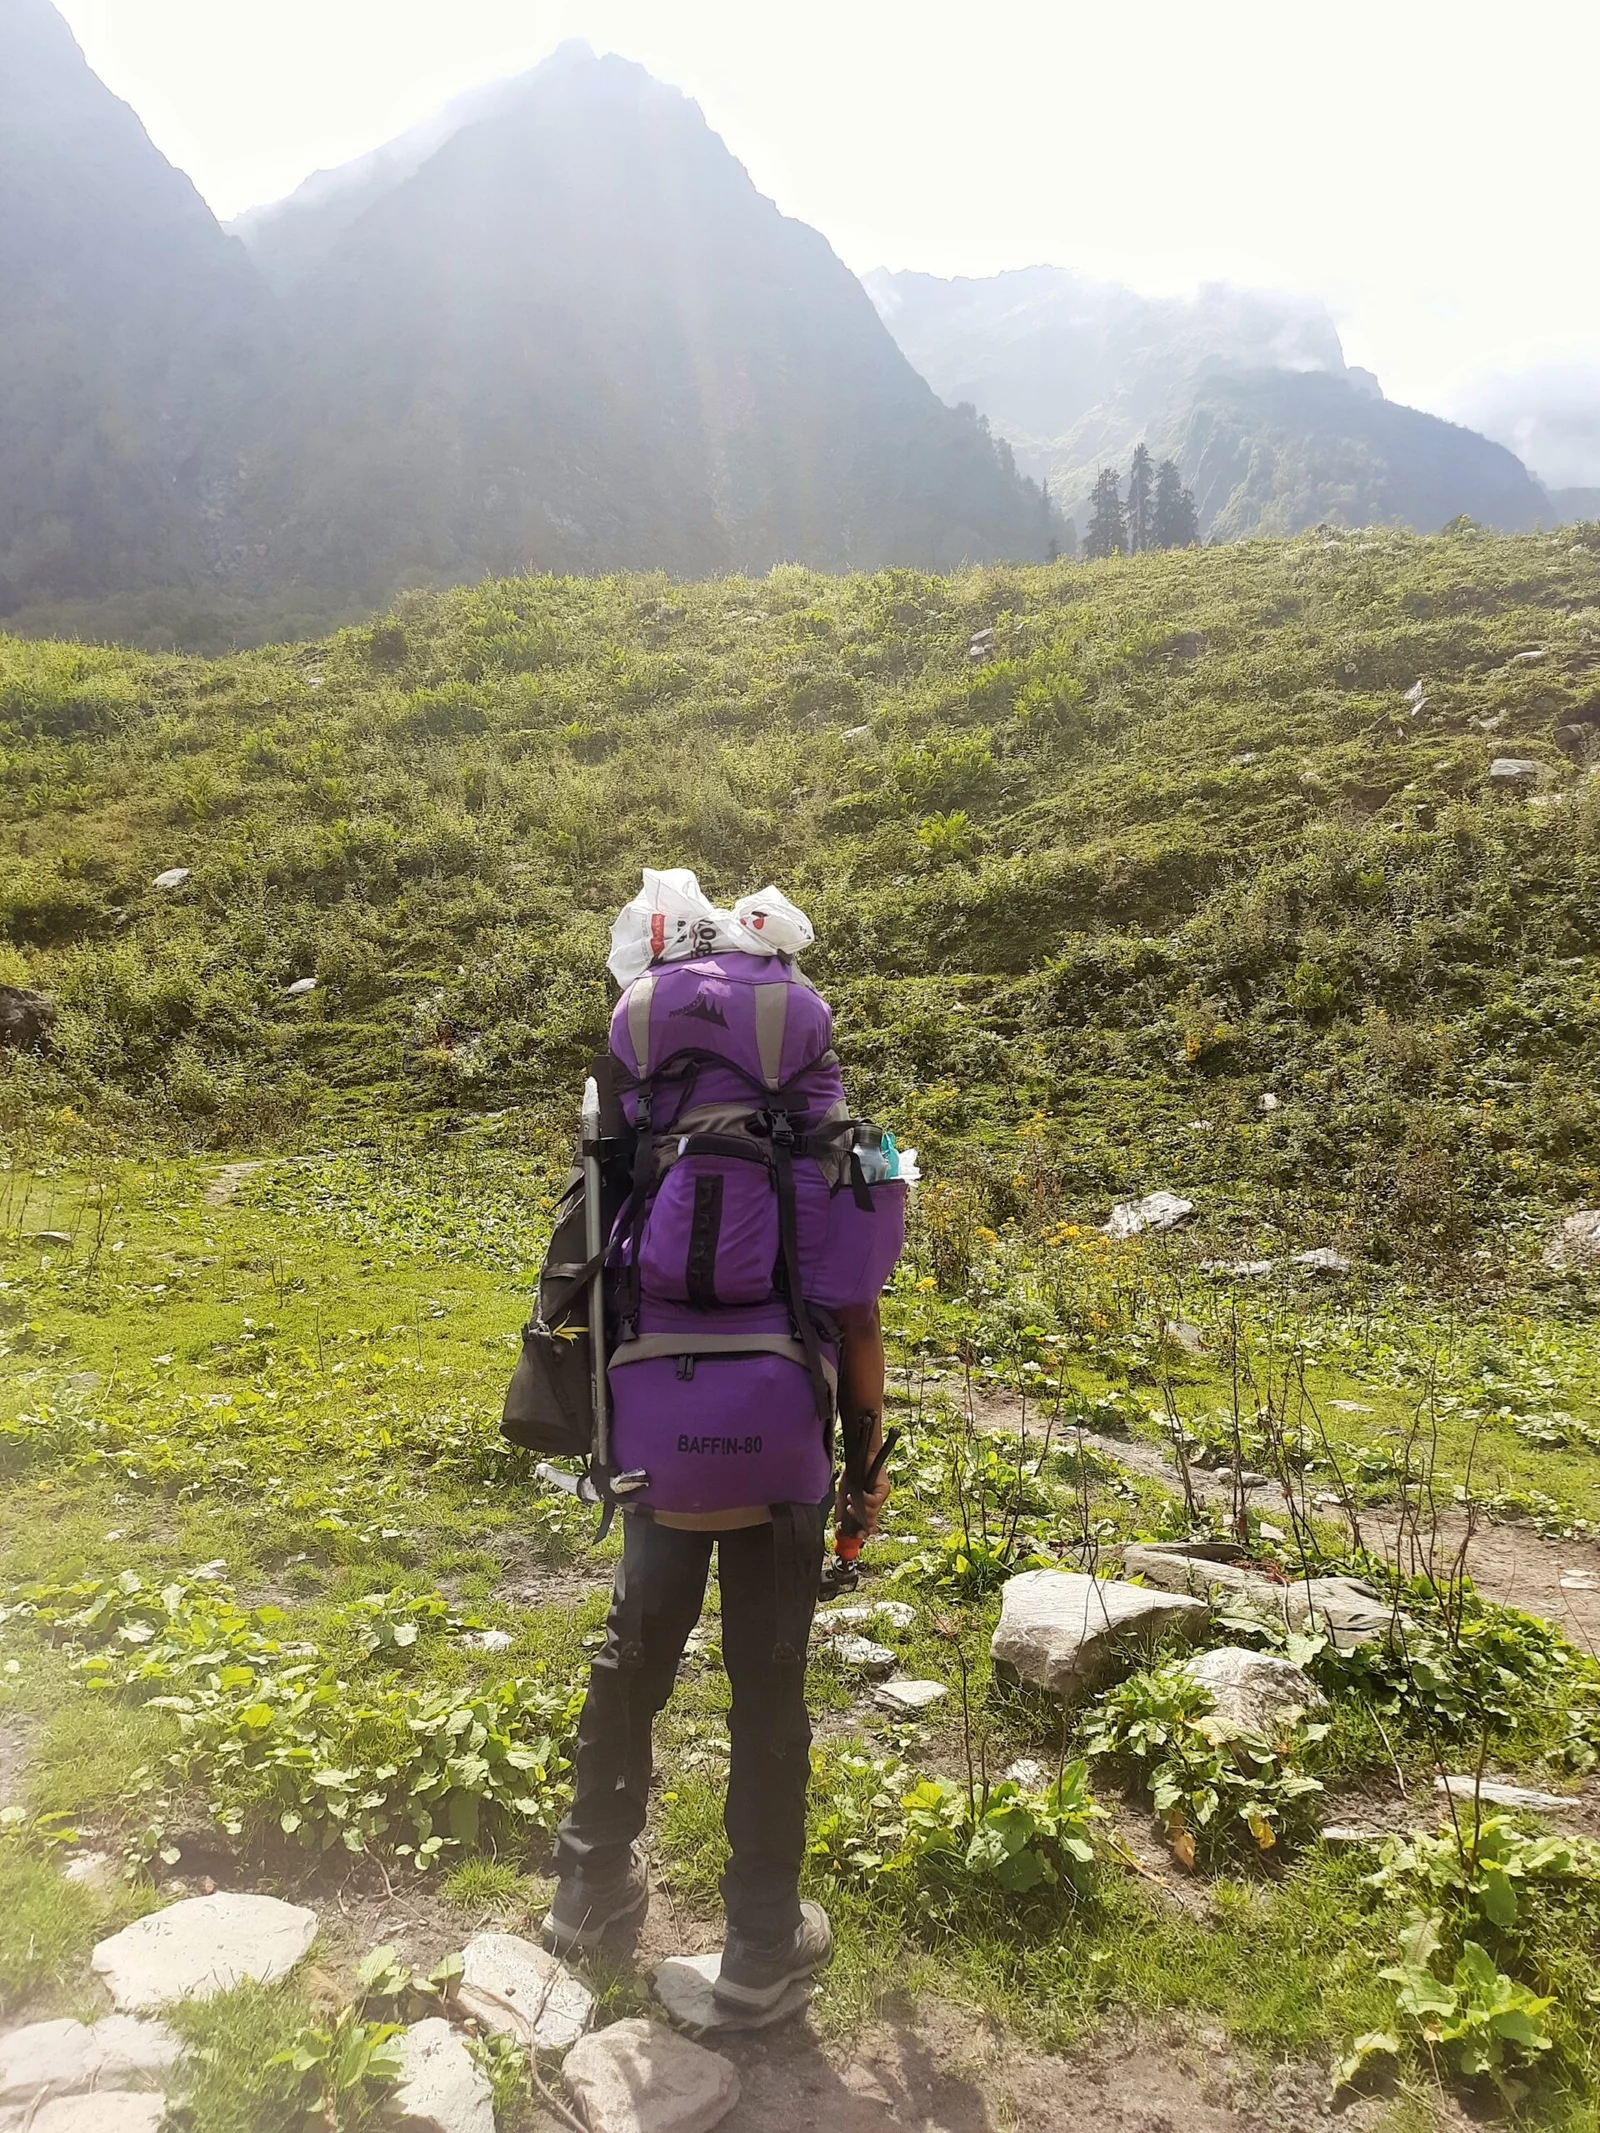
x: 562, y: 1940
x: 761, y: 1999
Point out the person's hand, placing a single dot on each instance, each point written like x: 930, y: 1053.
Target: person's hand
x: 877, y: 1496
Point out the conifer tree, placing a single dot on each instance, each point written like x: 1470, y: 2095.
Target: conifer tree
x: 1175, y: 523
x: 1141, y: 502
x: 1108, y: 531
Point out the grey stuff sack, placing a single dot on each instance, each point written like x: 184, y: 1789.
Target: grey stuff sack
x: 548, y: 1403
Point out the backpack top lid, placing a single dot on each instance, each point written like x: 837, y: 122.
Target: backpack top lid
x: 754, y: 1014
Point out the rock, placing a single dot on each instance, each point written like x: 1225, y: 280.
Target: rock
x: 1347, y: 1836
x: 863, y: 1655
x: 1580, y: 1581
x: 1200, y: 1551
x: 105, y: 2111
x: 25, y: 1017
x: 909, y: 1696
x: 1243, y: 761
x: 1574, y: 1242
x: 1351, y: 1407
x: 1239, y: 1269
x: 1252, y: 1691
x: 899, y: 1614
x: 299, y: 989
x: 487, y: 1640
x: 1267, y: 1101
x: 1513, y: 770
x: 68, y: 2058
x: 1493, y: 1795
x: 202, y: 1946
x: 1345, y: 1612
x: 1527, y: 659
x: 1321, y: 1261
x: 1065, y: 1631
x: 173, y: 878
x: 513, y: 1986
x: 1027, y: 1772
x: 1157, y: 1211
x: 683, y: 1984
x: 1184, y: 1336
x: 91, y: 1870
x: 53, y: 1240
x: 441, y: 2089
x: 637, y: 2077
x: 1417, y: 694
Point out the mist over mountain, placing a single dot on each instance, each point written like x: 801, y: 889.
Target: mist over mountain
x: 131, y: 331
x: 576, y: 337
x: 558, y: 328
x: 1250, y: 393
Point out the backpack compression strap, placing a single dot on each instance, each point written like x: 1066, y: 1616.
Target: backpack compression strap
x: 783, y: 1146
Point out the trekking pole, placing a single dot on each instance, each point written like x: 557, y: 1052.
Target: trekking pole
x: 592, y: 1244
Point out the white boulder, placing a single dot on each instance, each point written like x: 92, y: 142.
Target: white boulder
x: 441, y: 2088
x: 1156, y: 1211
x: 637, y: 2077
x: 171, y: 878
x: 1253, y: 1692
x: 299, y: 989
x: 102, y: 2111
x: 1068, y: 1632
x: 1513, y: 770
x: 1495, y: 1795
x: 1320, y: 1260
x: 203, y: 1946
x: 862, y: 1655
x: 517, y: 1987
x: 67, y: 2058
x: 908, y: 1698
x: 1574, y: 1242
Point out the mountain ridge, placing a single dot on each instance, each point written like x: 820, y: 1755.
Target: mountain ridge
x: 1074, y: 373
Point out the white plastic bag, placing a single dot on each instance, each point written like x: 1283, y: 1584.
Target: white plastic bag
x: 672, y: 919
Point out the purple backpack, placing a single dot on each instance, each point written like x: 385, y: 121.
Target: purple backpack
x: 749, y: 1226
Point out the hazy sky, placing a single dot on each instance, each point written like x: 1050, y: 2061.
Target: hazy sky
x: 1427, y: 167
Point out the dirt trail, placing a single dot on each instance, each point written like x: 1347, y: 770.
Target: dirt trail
x: 1511, y: 1563
x: 227, y: 1182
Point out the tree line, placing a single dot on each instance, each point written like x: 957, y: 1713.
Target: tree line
x: 1158, y: 511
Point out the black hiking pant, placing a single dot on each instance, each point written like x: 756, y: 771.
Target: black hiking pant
x: 769, y: 1577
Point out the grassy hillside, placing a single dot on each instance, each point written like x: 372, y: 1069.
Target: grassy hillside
x: 1188, y: 841
x: 1192, y: 839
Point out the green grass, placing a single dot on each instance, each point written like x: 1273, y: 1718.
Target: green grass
x: 1079, y: 990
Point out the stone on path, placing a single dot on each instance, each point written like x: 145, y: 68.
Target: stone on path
x: 683, y: 1984
x: 637, y: 2077
x: 909, y: 1696
x: 861, y: 1654
x: 1580, y: 1581
x: 202, y: 1946
x: 1493, y: 1795
x: 67, y: 2058
x: 1157, y: 1211
x: 1574, y: 1242
x: 1254, y: 1692
x: 1065, y: 1631
x: 520, y: 1989
x: 106, y: 2111
x: 441, y: 2088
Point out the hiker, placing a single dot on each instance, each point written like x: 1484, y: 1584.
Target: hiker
x: 755, y: 1226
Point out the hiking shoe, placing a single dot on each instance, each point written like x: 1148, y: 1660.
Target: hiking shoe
x: 755, y: 1975
x: 584, y: 1912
